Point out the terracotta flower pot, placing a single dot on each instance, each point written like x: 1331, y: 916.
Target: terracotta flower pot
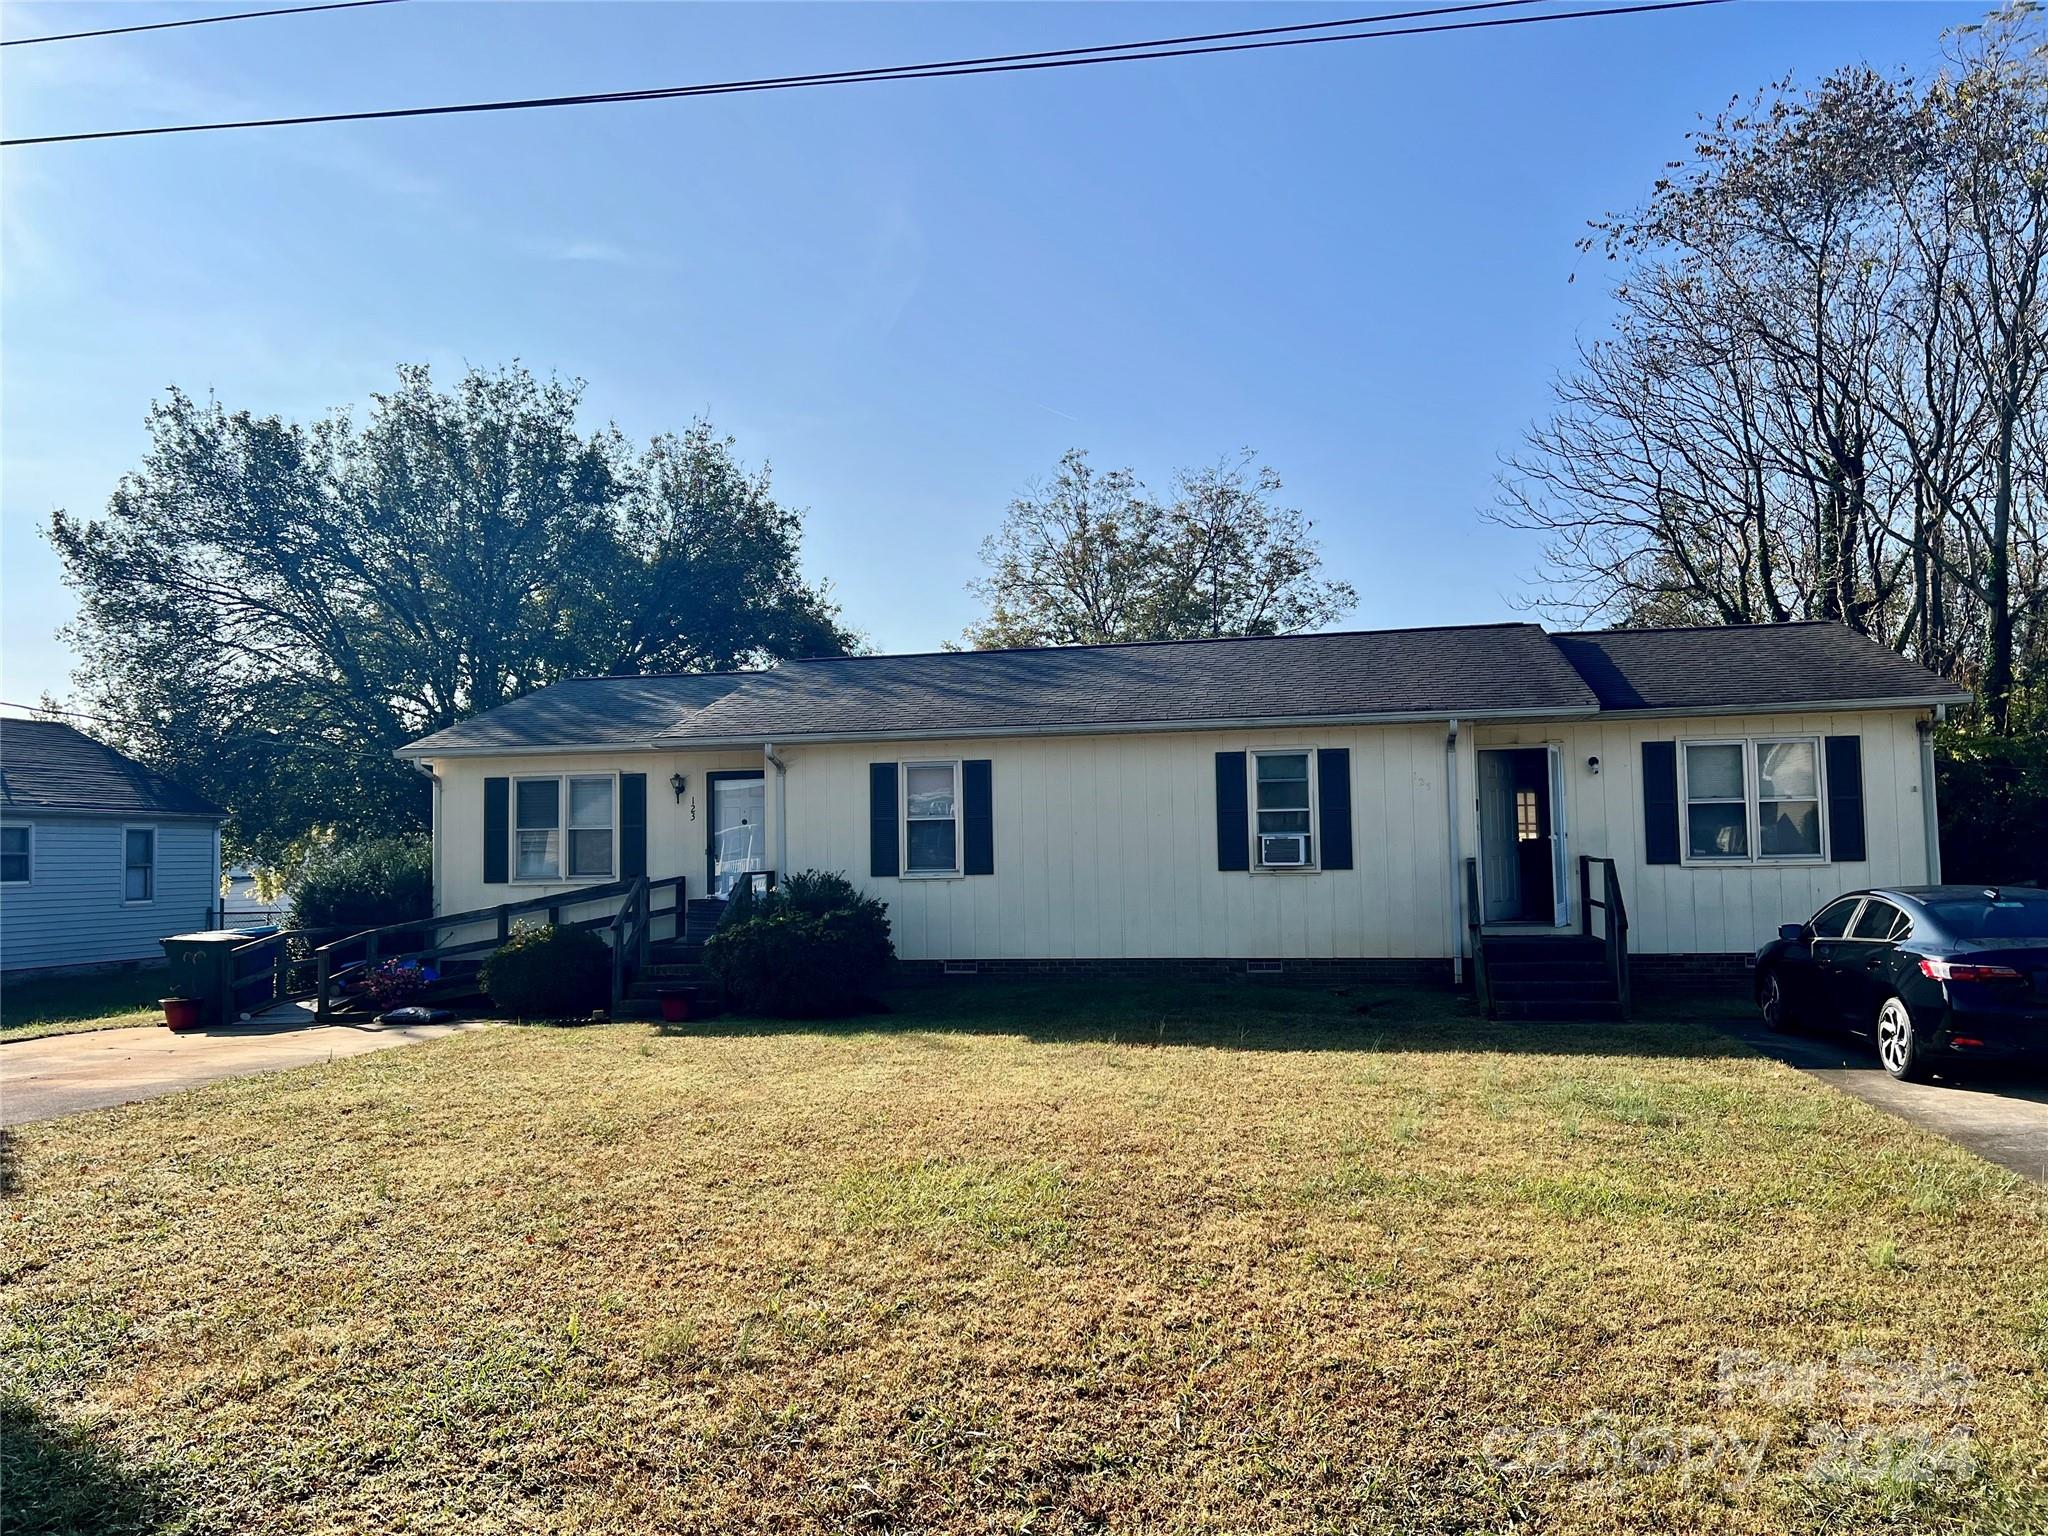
x: 183, y: 1012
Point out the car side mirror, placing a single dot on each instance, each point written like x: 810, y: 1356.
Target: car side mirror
x: 1792, y: 932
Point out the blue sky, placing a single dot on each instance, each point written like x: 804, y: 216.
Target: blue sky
x: 909, y: 299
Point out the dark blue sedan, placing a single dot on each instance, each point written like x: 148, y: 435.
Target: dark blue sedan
x: 1932, y: 973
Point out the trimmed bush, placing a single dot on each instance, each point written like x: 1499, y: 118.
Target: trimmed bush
x: 549, y: 973
x: 810, y: 948
x: 365, y: 885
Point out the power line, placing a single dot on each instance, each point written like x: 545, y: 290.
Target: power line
x: 191, y: 21
x: 1001, y: 64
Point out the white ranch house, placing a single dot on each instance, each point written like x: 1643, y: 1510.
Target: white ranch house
x: 1326, y: 802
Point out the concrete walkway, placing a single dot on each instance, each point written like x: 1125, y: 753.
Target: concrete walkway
x: 63, y: 1074
x: 1999, y: 1113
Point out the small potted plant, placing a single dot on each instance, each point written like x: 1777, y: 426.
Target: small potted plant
x: 182, y: 1013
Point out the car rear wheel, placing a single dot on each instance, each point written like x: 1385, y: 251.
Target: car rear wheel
x: 1899, y: 1050
x: 1774, y: 1000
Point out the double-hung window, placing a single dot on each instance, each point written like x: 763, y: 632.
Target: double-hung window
x: 138, y: 864
x: 931, y: 818
x: 1756, y: 799
x: 1280, y: 810
x: 16, y: 855
x: 544, y: 848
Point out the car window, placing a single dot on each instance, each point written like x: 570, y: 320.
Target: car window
x: 1880, y: 920
x: 1984, y: 917
x: 1833, y: 921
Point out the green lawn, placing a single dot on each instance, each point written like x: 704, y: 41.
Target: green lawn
x: 1062, y: 1259
x: 64, y: 1005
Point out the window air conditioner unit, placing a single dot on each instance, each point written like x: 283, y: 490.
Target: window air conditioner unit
x: 1283, y: 850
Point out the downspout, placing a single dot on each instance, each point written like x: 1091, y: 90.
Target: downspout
x: 1930, y: 813
x: 1457, y: 861
x: 781, y: 809
x: 434, y: 837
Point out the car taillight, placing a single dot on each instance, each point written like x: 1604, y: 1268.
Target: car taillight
x: 1958, y: 970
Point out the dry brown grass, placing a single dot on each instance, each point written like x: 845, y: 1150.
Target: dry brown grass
x: 1167, y: 1259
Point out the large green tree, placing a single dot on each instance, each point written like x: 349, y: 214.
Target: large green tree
x: 267, y: 608
x: 1092, y: 557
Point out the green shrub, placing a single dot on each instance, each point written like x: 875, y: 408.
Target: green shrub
x: 549, y: 973
x: 365, y: 885
x: 812, y: 947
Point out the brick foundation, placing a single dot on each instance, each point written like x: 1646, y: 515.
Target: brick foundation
x: 1421, y: 972
x: 1690, y: 970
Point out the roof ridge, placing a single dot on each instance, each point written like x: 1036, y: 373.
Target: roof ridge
x: 1700, y: 629
x: 1134, y: 645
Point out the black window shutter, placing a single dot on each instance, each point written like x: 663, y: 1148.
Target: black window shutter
x: 1233, y: 831
x: 632, y: 825
x: 978, y: 816
x: 1660, y: 802
x: 1333, y: 795
x: 497, y: 830
x: 1845, y: 799
x: 882, y: 858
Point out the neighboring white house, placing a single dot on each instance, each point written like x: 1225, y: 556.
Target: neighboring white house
x: 1301, y: 799
x: 100, y: 857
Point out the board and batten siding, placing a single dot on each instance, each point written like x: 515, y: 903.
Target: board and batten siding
x: 1726, y: 908
x: 1105, y: 848
x: 1105, y: 845
x: 676, y: 830
x: 70, y: 913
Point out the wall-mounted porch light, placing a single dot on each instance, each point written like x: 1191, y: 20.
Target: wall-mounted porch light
x: 678, y: 783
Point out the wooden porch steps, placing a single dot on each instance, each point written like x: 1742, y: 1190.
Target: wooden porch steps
x: 1550, y: 977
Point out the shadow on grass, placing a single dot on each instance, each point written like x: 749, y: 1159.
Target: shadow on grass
x: 1255, y: 1016
x: 57, y: 1478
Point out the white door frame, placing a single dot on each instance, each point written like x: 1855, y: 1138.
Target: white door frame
x: 1560, y: 840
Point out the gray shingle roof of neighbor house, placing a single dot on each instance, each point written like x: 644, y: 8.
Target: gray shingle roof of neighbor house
x: 46, y: 766
x: 1482, y: 669
x: 1475, y: 670
x: 1747, y: 666
x: 586, y: 712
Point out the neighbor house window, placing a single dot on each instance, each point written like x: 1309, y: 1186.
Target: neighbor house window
x: 1527, y: 827
x: 1280, y: 809
x: 931, y: 818
x: 138, y: 864
x: 15, y: 851
x: 1752, y: 800
x: 543, y: 848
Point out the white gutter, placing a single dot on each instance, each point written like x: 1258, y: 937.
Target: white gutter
x: 781, y: 809
x: 1930, y: 813
x: 1457, y: 862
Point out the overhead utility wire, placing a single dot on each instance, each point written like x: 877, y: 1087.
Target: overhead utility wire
x: 997, y: 65
x: 191, y: 21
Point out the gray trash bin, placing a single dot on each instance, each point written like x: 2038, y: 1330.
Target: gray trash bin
x: 202, y: 966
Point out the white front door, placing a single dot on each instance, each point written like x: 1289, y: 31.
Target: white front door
x: 739, y: 841
x: 1560, y: 847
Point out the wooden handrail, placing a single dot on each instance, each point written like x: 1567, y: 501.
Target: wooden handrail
x: 1482, y: 984
x: 1613, y: 920
x: 629, y: 929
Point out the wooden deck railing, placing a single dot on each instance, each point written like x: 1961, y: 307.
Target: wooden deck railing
x: 628, y: 928
x: 1613, y: 920
x: 1482, y: 986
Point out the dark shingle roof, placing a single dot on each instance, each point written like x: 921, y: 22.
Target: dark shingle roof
x: 45, y: 766
x: 587, y: 712
x: 1481, y: 669
x: 1473, y: 670
x: 1761, y: 666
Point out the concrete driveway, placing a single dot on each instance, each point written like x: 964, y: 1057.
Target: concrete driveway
x: 2001, y: 1114
x: 63, y: 1074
